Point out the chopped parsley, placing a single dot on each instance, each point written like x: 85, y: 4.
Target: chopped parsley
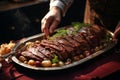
x: 55, y: 59
x: 63, y: 32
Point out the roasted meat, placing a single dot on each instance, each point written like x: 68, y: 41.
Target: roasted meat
x: 67, y: 43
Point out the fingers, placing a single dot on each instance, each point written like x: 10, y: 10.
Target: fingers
x: 42, y: 24
x: 49, y: 25
x: 45, y: 25
x: 51, y: 21
x: 54, y: 25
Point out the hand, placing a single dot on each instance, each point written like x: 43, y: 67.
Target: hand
x: 51, y: 20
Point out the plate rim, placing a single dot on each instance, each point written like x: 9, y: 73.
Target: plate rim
x: 14, y: 59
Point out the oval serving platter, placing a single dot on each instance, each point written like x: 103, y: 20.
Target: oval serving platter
x: 21, y: 43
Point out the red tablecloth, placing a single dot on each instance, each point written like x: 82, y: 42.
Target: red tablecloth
x: 100, y: 67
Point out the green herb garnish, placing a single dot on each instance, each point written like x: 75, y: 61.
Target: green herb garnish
x: 63, y: 32
x: 77, y: 25
x: 55, y: 59
x: 59, y: 33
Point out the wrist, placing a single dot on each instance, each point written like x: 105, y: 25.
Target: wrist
x: 57, y: 4
x: 56, y: 9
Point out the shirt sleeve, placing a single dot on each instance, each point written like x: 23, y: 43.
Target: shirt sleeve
x: 62, y: 4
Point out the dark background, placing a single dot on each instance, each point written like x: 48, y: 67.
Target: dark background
x: 26, y: 21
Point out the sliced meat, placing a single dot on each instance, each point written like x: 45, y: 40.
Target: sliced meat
x: 64, y: 42
x: 31, y: 55
x: 45, y: 52
x: 68, y: 46
x: 58, y: 53
x: 49, y: 44
x: 36, y: 52
x: 83, y: 35
x: 72, y: 41
x: 54, y: 47
x: 68, y: 49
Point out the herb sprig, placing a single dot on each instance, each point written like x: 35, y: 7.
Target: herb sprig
x: 63, y: 32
